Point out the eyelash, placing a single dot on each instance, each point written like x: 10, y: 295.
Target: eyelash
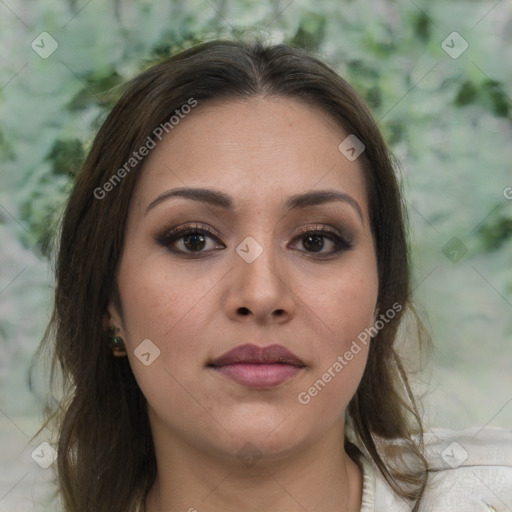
x: 170, y: 237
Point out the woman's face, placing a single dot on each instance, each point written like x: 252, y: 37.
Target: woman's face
x: 248, y: 275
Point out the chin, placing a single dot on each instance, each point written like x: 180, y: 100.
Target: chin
x: 270, y: 435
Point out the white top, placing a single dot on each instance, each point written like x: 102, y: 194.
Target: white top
x: 471, y: 471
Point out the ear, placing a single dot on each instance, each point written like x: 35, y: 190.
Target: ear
x: 112, y: 320
x: 113, y: 327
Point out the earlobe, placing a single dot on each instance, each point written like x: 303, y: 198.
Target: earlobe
x: 116, y: 343
x: 111, y: 323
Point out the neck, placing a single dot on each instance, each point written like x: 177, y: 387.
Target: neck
x: 320, y: 476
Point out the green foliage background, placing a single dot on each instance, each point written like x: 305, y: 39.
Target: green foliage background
x: 448, y: 121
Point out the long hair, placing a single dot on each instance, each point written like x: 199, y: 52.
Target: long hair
x: 106, y: 460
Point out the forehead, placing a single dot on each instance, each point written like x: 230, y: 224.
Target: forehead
x: 260, y: 150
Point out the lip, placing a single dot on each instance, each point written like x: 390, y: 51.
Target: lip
x: 258, y: 367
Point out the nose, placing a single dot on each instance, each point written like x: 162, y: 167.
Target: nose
x: 259, y: 286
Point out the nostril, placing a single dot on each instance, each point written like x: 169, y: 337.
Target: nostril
x: 243, y: 311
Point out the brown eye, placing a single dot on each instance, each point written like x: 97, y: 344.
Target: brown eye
x: 193, y: 239
x: 313, y: 240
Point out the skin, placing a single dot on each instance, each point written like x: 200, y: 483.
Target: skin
x: 259, y: 151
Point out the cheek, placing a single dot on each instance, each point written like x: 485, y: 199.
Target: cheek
x: 341, y: 355
x: 345, y: 307
x: 159, y: 304
x: 169, y: 309
x: 330, y: 389
x: 346, y: 302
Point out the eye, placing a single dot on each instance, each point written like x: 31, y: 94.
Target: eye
x: 192, y: 237
x: 313, y: 240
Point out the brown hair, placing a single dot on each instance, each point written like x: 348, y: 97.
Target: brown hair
x: 106, y: 460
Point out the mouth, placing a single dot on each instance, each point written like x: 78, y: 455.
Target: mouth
x: 258, y: 367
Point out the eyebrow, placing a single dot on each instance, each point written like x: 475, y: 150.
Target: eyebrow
x: 222, y: 200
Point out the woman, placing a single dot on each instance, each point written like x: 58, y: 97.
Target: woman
x: 232, y: 274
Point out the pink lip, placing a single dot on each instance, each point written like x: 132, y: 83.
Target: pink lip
x: 258, y: 367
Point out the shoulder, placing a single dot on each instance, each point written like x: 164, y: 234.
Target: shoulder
x: 470, y: 471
